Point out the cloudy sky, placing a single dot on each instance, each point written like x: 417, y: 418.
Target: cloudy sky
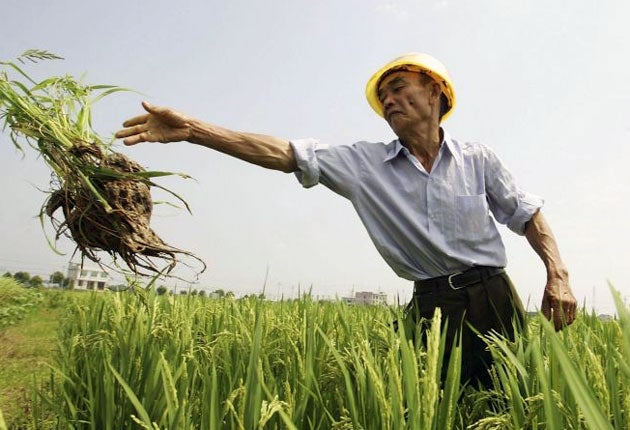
x: 544, y: 83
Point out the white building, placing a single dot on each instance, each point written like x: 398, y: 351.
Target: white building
x: 367, y: 298
x: 87, y: 278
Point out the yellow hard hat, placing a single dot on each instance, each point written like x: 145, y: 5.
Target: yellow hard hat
x: 415, y: 62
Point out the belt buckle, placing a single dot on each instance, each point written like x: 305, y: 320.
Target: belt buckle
x: 450, y: 282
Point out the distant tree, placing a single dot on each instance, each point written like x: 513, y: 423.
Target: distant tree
x: 183, y: 292
x: 7, y: 275
x: 161, y: 290
x: 219, y: 293
x: 202, y: 293
x: 57, y: 278
x: 193, y: 292
x: 35, y: 282
x: 22, y: 277
x: 229, y: 294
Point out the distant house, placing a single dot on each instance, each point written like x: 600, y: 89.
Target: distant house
x: 367, y: 298
x: 87, y: 278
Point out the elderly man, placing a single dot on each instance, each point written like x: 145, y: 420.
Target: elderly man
x: 426, y: 200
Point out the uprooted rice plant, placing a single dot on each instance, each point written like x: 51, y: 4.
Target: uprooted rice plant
x: 99, y: 198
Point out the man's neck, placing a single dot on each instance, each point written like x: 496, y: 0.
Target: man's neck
x: 423, y: 143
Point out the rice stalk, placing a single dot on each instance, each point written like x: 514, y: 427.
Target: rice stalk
x: 3, y: 425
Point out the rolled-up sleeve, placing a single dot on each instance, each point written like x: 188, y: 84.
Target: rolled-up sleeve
x: 308, y: 167
x: 336, y: 167
x: 509, y: 204
x: 528, y: 205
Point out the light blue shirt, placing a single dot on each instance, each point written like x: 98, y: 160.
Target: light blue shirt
x: 423, y: 224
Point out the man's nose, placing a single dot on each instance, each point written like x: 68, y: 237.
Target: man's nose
x: 387, y: 101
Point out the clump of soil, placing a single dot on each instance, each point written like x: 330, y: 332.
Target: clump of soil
x: 122, y: 229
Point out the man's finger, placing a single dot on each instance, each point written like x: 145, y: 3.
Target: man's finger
x: 136, y: 138
x: 569, y: 305
x: 570, y: 309
x: 130, y: 131
x: 545, y: 308
x: 140, y: 119
x: 123, y: 133
x: 131, y: 140
x: 558, y: 318
x: 149, y: 107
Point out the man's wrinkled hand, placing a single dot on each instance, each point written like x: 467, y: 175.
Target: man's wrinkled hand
x: 559, y: 304
x: 159, y: 124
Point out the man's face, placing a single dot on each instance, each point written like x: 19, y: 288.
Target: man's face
x: 407, y: 99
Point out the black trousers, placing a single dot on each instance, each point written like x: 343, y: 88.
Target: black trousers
x: 490, y: 304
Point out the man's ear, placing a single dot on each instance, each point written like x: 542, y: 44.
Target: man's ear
x: 436, y: 92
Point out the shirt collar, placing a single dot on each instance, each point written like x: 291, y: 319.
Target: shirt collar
x: 395, y: 147
x: 452, y: 147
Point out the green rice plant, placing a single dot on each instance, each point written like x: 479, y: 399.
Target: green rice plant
x: 16, y: 301
x: 558, y: 380
x: 187, y: 362
x: 103, y: 196
x: 130, y: 360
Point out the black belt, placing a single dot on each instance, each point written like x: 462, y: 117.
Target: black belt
x: 457, y: 280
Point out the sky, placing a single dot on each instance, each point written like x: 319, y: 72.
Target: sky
x: 543, y: 83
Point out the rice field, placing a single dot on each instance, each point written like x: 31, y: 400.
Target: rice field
x: 139, y: 360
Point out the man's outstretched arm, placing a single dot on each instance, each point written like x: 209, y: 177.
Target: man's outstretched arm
x: 165, y: 125
x: 558, y: 304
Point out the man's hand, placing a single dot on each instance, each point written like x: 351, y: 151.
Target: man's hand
x: 558, y: 303
x: 158, y: 125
